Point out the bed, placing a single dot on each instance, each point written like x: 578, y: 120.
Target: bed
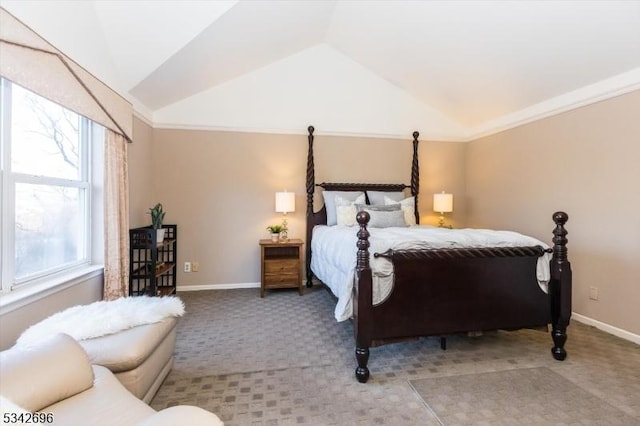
x: 431, y: 289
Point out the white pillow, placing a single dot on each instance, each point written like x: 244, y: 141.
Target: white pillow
x: 330, y: 204
x: 377, y: 197
x: 346, y: 210
x: 408, y: 206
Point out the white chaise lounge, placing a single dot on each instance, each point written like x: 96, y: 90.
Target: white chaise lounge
x: 55, y: 377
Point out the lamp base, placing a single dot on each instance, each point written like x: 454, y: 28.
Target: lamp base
x: 442, y: 225
x: 284, y: 234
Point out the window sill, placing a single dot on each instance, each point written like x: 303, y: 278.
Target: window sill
x: 21, y: 297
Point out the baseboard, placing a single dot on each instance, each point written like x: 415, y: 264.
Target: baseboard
x: 217, y: 286
x: 624, y: 334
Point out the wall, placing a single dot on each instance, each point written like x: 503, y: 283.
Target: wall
x: 219, y: 188
x: 140, y: 160
x: 320, y: 84
x: 79, y: 292
x: 584, y: 162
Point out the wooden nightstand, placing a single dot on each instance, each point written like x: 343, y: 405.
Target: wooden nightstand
x: 281, y: 265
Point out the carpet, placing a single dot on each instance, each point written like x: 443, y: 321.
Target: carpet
x: 528, y: 396
x: 224, y: 333
x: 284, y: 360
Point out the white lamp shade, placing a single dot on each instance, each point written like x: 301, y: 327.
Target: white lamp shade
x: 285, y: 202
x: 442, y: 202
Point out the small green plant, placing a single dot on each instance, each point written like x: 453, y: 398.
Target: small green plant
x: 274, y: 229
x: 157, y: 216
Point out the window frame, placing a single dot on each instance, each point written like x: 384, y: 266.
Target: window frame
x: 88, y: 133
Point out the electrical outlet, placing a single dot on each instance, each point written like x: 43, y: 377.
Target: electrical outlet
x: 187, y: 266
x: 195, y: 266
x: 593, y: 293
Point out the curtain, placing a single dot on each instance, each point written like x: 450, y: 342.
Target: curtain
x: 30, y: 61
x: 116, y: 217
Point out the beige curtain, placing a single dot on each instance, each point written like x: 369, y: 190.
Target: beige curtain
x: 30, y: 61
x: 116, y: 217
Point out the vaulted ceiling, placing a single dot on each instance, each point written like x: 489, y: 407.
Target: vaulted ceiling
x: 456, y: 69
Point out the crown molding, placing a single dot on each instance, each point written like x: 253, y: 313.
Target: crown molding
x: 424, y: 135
x: 141, y: 112
x: 606, y: 89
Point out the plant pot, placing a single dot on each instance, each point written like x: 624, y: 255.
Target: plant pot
x: 160, y: 235
x: 275, y: 237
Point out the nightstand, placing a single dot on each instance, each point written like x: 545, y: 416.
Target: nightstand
x: 281, y: 265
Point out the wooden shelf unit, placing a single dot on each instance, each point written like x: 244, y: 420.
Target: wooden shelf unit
x: 152, y: 265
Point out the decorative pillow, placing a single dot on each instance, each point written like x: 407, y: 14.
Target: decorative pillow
x: 8, y: 406
x: 58, y: 364
x: 346, y: 210
x: 330, y: 204
x: 377, y: 197
x: 378, y: 208
x: 408, y: 206
x: 384, y: 216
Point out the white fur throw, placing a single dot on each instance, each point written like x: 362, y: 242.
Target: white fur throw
x: 102, y: 318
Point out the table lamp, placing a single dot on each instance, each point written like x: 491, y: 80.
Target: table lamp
x: 442, y: 203
x: 285, y: 203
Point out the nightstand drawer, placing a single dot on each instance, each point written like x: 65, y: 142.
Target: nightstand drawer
x: 280, y: 280
x: 281, y: 266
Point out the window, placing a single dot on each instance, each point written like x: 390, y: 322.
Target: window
x: 46, y: 188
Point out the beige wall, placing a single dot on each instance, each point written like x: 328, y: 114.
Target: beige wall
x: 587, y: 163
x: 442, y: 169
x: 80, y: 292
x: 219, y: 188
x: 140, y: 158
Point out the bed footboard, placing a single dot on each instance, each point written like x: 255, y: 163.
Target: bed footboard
x: 446, y: 291
x: 560, y: 287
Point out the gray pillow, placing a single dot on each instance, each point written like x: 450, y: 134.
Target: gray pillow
x: 383, y: 217
x: 379, y: 208
x: 330, y: 202
x: 377, y: 197
x: 408, y: 207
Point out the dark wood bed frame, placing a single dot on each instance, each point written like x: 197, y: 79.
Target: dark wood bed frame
x: 447, y: 291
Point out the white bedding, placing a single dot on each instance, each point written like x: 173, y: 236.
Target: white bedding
x: 334, y: 255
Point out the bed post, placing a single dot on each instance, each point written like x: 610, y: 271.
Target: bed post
x: 311, y: 186
x: 363, y: 300
x: 560, y: 287
x: 415, y: 176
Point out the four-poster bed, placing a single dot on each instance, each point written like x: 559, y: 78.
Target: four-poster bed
x: 440, y: 291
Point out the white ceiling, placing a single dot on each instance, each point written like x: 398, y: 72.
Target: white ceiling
x: 471, y: 67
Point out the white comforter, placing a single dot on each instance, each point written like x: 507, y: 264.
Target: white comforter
x: 334, y: 255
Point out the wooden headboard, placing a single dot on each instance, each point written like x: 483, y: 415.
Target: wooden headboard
x: 320, y: 217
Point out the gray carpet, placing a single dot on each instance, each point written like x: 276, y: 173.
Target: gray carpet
x: 284, y: 360
x: 527, y: 396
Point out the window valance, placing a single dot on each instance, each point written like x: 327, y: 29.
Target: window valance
x: 30, y: 61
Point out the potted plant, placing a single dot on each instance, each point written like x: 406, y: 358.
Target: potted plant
x: 275, y: 232
x: 157, y: 216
